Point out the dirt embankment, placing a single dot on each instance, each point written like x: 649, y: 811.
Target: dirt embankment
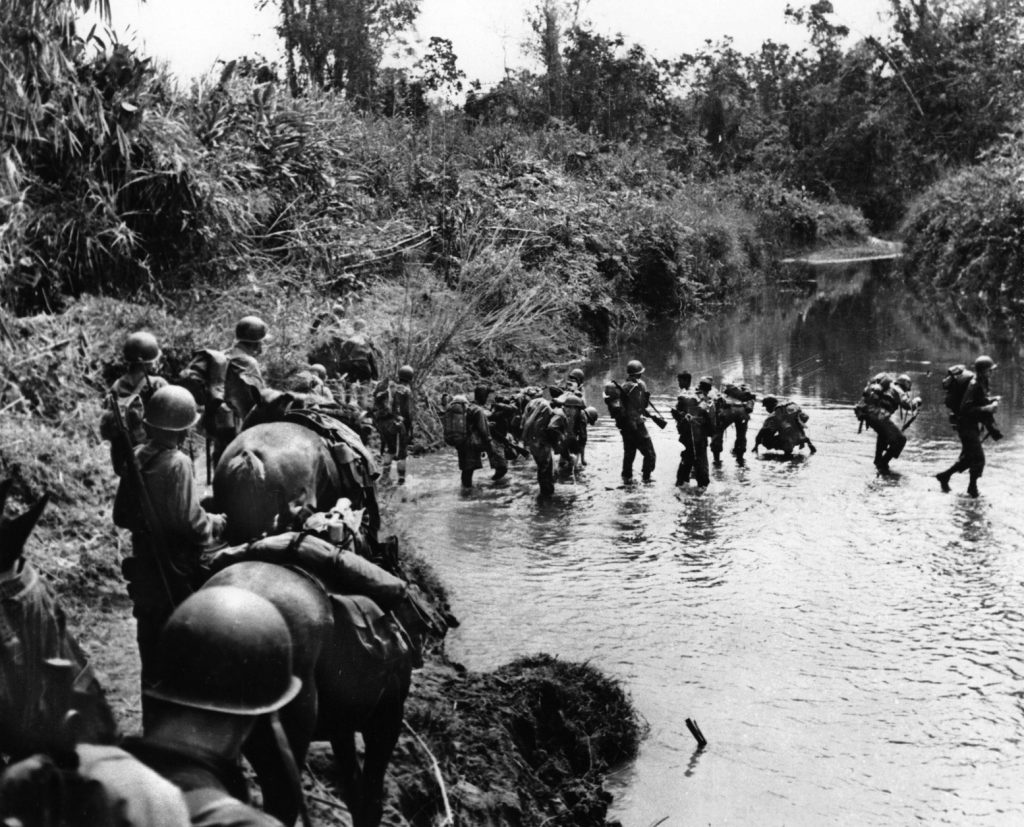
x: 528, y: 744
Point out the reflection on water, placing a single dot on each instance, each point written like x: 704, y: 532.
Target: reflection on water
x: 851, y: 645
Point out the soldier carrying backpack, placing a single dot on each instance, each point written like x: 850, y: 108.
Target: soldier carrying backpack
x: 132, y: 391
x: 974, y: 411
x: 393, y: 417
x: 466, y: 429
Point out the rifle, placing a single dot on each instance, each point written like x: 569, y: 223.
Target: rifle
x: 145, y: 503
x: 654, y: 416
x: 516, y: 447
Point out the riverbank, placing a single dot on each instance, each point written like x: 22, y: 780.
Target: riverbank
x: 508, y: 743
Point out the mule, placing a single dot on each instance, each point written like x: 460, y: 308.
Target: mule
x: 344, y: 690
x: 274, y: 474
x: 33, y: 632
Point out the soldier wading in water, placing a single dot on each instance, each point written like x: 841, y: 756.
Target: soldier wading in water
x: 635, y: 399
x: 974, y: 413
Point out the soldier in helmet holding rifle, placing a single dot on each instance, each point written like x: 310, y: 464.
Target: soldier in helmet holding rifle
x: 635, y: 438
x: 159, y: 503
x: 975, y: 413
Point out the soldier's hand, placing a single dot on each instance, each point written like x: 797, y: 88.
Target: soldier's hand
x: 990, y: 408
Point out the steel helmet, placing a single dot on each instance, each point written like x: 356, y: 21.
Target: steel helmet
x: 141, y: 346
x: 251, y: 329
x: 319, y: 370
x: 576, y: 375
x: 571, y: 400
x: 903, y: 381
x: 611, y: 391
x: 405, y: 373
x: 770, y: 403
x: 705, y: 383
x: 635, y: 367
x: 172, y: 408
x: 226, y: 649
x: 984, y: 363
x: 592, y: 414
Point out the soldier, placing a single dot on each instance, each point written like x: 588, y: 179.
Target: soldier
x: 226, y: 662
x: 393, y: 418
x: 476, y: 437
x: 132, y: 391
x: 501, y: 422
x: 635, y: 399
x: 574, y: 383
x: 733, y: 406
x: 357, y: 361
x: 250, y: 338
x: 882, y: 398
x: 694, y: 414
x: 164, y: 565
x: 783, y: 428
x: 976, y: 411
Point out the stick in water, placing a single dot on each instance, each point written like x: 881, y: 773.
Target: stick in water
x: 696, y: 733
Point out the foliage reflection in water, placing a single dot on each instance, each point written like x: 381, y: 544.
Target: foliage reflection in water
x: 850, y: 644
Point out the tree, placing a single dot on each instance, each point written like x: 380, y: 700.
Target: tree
x: 338, y: 44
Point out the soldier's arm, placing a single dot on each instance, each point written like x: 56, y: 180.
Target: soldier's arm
x: 190, y: 518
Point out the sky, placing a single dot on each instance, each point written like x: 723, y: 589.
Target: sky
x: 487, y: 35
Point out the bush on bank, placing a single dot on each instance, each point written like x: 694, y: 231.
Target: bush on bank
x: 963, y: 236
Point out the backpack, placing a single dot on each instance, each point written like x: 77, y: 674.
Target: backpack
x: 383, y: 409
x: 536, y: 420
x: 955, y: 383
x: 455, y: 424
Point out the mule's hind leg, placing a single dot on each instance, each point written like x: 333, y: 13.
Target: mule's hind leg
x: 298, y: 718
x: 343, y: 743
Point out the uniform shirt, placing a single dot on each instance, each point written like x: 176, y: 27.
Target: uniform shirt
x: 241, y: 355
x: 975, y: 398
x: 133, y: 795
x: 180, y: 520
x: 357, y: 349
x: 477, y: 424
x: 215, y: 789
x: 634, y: 401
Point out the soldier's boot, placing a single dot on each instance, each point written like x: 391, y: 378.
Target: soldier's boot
x: 943, y: 477
x: 467, y: 479
x: 400, y: 465
x: 972, y: 486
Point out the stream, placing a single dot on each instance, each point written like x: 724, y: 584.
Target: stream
x: 852, y: 645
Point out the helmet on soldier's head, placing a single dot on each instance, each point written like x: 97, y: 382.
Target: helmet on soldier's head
x: 576, y: 375
x: 883, y: 379
x: 251, y: 329
x: 571, y: 400
x: 319, y: 370
x: 611, y: 391
x: 172, y: 408
x: 227, y: 650
x: 635, y: 367
x: 770, y: 403
x: 406, y: 373
x: 141, y: 346
x: 480, y: 394
x: 984, y: 363
x: 903, y: 381
x: 705, y: 383
x: 592, y: 414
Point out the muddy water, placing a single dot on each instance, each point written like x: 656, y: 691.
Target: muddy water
x: 851, y: 645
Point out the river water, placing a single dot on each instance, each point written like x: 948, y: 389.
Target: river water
x: 851, y: 645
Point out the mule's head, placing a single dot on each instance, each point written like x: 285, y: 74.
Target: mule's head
x: 14, y: 531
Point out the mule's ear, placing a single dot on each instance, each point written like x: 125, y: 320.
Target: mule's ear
x: 14, y: 533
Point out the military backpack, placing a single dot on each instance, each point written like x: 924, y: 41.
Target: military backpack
x: 454, y: 421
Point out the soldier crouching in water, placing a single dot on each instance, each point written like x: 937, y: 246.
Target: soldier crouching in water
x: 882, y: 399
x: 163, y: 568
x: 976, y: 412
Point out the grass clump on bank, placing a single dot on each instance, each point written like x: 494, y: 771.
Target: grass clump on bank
x: 530, y: 743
